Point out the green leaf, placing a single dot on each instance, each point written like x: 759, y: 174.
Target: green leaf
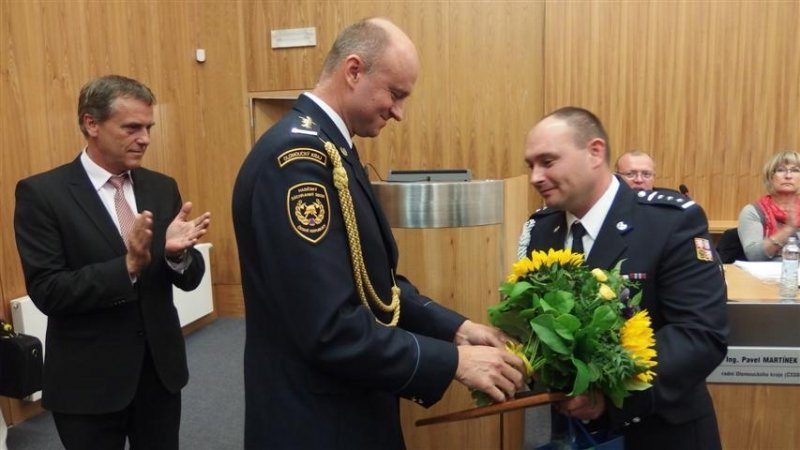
x: 560, y: 301
x: 506, y: 288
x: 617, y: 394
x: 519, y: 288
x: 636, y: 300
x: 603, y: 318
x: 565, y: 325
x: 581, y: 378
x: 511, y: 323
x: 543, y: 327
x: 633, y: 384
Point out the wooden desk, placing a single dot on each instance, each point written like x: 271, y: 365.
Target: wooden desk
x: 744, y: 287
x: 755, y: 416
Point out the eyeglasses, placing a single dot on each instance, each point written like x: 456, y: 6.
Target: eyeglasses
x: 633, y: 174
x: 785, y: 170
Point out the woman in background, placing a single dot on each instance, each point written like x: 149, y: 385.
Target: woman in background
x: 765, y: 226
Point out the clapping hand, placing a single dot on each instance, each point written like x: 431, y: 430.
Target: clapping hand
x: 138, y: 243
x: 183, y: 232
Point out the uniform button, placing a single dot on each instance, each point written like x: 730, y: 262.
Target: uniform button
x: 636, y: 420
x: 627, y: 424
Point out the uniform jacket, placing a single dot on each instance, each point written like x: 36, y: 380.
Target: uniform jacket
x: 73, y: 258
x: 663, y: 241
x: 320, y: 371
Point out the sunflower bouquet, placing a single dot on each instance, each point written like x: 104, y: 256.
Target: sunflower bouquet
x: 577, y: 329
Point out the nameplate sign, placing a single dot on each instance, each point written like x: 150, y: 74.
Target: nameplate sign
x: 759, y: 365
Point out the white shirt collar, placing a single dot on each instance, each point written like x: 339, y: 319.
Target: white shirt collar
x: 337, y: 120
x: 97, y: 175
x: 593, y: 220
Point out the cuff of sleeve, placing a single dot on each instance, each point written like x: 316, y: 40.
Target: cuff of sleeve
x: 436, y: 366
x: 181, y: 263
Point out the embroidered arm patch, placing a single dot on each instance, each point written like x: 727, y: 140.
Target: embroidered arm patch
x: 300, y: 154
x: 308, y: 209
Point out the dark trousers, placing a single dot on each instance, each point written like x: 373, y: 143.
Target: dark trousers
x: 654, y: 433
x: 150, y: 422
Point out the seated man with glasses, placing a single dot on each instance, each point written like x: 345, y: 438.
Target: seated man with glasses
x: 637, y: 169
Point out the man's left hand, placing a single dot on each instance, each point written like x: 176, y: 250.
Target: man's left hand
x: 471, y: 333
x: 183, y: 233
x: 584, y: 407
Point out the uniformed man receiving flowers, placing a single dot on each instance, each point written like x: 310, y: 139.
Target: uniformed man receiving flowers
x: 334, y: 335
x: 662, y: 240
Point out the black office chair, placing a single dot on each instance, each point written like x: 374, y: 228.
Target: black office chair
x: 729, y: 247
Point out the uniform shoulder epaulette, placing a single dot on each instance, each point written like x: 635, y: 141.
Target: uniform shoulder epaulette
x: 306, y: 144
x: 541, y: 212
x: 665, y: 198
x: 305, y: 125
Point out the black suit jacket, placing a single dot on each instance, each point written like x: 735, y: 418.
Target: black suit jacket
x: 73, y: 258
x: 657, y: 235
x: 320, y: 372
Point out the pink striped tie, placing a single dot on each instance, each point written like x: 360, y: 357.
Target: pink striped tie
x: 124, y: 211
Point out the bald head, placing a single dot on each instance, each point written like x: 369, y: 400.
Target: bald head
x: 369, y: 39
x: 368, y: 74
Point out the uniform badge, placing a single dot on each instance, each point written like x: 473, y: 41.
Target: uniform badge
x: 308, y: 208
x: 703, y: 249
x: 306, y: 122
x: 307, y: 126
x: 299, y: 154
x: 622, y: 226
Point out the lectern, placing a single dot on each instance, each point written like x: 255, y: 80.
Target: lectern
x: 457, y: 241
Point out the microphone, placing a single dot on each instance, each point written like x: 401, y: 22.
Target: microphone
x: 684, y: 190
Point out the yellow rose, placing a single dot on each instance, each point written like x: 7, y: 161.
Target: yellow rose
x: 606, y: 292
x: 599, y: 275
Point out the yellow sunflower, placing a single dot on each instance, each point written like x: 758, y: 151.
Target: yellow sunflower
x: 560, y: 257
x: 522, y: 268
x: 639, y: 340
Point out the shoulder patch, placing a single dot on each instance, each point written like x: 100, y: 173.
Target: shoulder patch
x: 308, y: 209
x: 702, y: 248
x: 305, y: 125
x: 302, y: 153
x: 665, y: 198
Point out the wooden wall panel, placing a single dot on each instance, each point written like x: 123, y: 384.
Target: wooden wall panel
x: 710, y: 89
x: 51, y: 48
x: 459, y: 268
x: 477, y: 94
x: 288, y: 68
x: 757, y: 416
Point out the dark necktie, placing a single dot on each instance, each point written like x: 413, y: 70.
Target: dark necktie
x: 578, y: 232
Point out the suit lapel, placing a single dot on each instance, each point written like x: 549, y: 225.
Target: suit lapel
x: 145, y: 199
x: 610, y: 244
x: 90, y: 204
x: 549, y: 232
